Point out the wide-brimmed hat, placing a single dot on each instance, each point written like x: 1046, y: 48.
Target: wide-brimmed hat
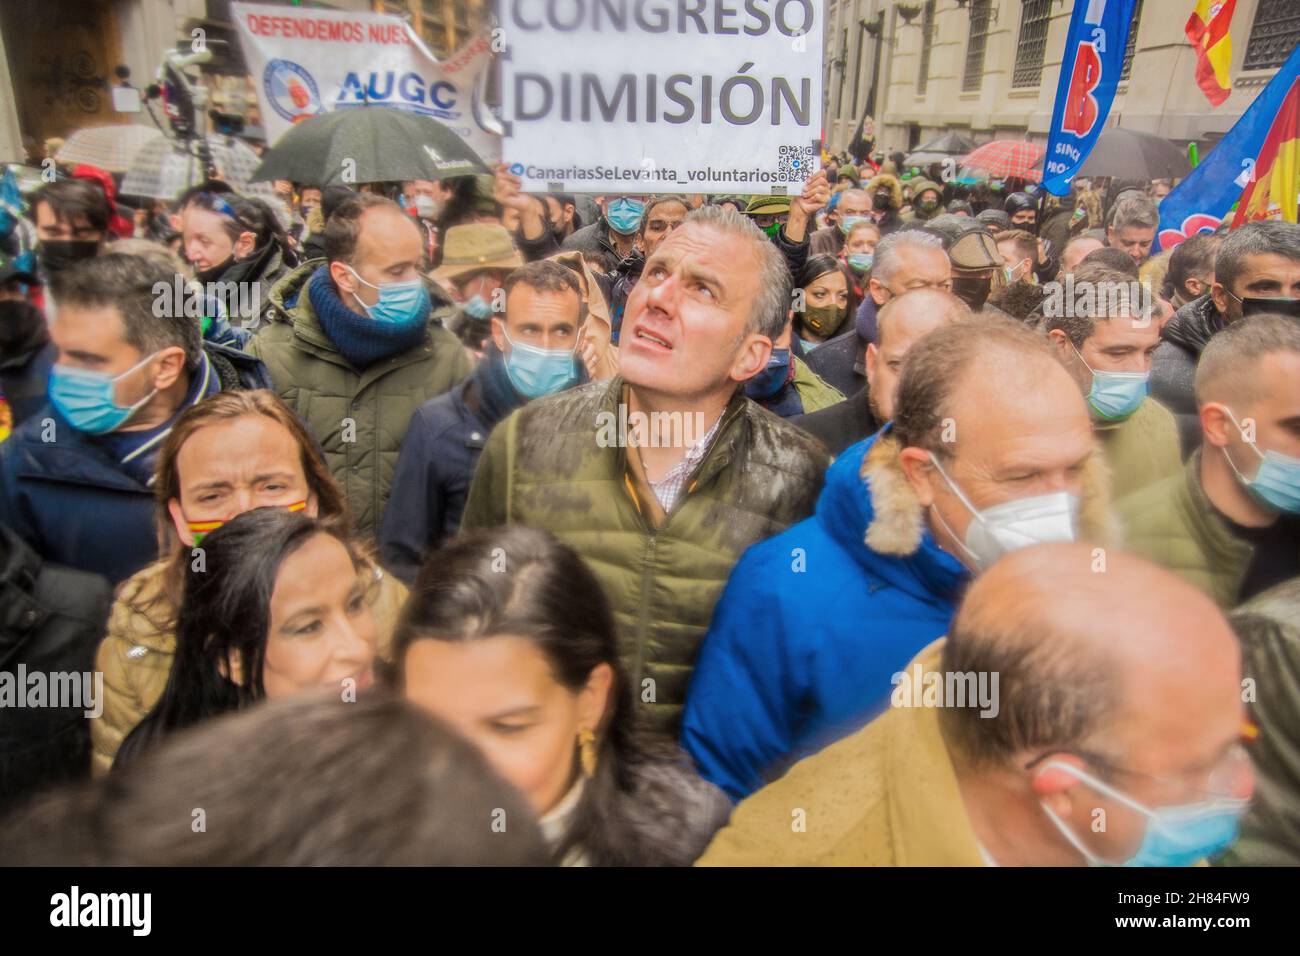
x: 475, y: 247
x: 767, y: 205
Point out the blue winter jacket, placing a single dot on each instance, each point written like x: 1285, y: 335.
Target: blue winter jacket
x: 70, y: 499
x: 72, y: 502
x: 810, y: 629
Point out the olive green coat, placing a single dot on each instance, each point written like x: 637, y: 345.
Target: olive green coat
x: 1268, y: 626
x: 1140, y: 450
x: 1173, y: 524
x: 814, y: 391
x: 546, y: 467
x: 359, y: 418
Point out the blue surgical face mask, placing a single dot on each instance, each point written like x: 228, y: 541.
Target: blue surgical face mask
x: 1180, y: 835
x: 477, y: 308
x: 860, y: 262
x: 624, y: 215
x: 1276, y: 481
x: 848, y: 222
x: 400, y: 303
x: 536, y: 372
x: 86, y: 399
x: 1115, y: 396
x: 767, y: 383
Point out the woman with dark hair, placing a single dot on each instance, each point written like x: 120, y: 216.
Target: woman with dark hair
x: 824, y: 290
x: 509, y: 638
x: 275, y: 602
x: 787, y: 386
x: 236, y: 245
x: 202, y: 482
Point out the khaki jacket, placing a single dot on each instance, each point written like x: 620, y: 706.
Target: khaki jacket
x: 885, y: 796
x: 136, y: 655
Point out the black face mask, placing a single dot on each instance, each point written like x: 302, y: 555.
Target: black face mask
x: 21, y: 323
x: 1250, y: 306
x: 971, y: 290
x: 882, y: 200
x: 1029, y: 227
x: 55, y: 255
x: 211, y: 275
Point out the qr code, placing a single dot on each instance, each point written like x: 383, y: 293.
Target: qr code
x: 797, y: 163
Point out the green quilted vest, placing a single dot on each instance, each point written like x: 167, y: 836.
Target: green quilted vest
x: 544, y: 467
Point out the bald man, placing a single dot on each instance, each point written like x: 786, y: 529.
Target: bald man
x: 1229, y: 523
x: 1081, y: 697
x: 853, y: 204
x: 815, y: 620
x: 900, y: 323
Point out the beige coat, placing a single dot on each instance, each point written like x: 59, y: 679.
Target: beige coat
x: 885, y: 796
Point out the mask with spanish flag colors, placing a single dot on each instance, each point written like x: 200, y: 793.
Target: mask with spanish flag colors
x: 201, y: 529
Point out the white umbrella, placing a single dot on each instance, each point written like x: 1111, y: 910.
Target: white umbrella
x: 165, y: 168
x: 108, y: 147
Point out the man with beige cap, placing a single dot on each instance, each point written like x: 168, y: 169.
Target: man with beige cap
x: 476, y: 258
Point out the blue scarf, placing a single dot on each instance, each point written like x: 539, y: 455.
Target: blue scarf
x: 496, y: 395
x: 360, y: 339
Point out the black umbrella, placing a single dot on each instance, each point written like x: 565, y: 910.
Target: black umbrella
x: 1128, y: 154
x: 368, y: 144
x: 937, y: 150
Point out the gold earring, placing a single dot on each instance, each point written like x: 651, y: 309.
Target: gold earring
x: 587, y: 752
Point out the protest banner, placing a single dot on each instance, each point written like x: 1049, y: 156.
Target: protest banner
x: 306, y: 62
x: 634, y: 96
x: 1085, y: 89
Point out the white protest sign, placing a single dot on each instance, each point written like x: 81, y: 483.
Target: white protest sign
x: 635, y: 96
x: 308, y: 61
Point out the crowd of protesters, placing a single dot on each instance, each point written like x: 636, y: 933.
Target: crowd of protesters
x: 644, y: 519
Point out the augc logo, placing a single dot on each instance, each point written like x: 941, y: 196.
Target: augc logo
x: 291, y: 90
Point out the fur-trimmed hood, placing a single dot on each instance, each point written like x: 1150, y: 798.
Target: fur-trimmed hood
x: 885, y: 180
x: 898, y: 523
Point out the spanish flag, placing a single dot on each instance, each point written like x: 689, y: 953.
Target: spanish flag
x: 1207, y: 31
x: 1271, y: 192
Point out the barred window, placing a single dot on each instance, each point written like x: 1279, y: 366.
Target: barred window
x: 927, y: 38
x: 1034, y: 18
x: 979, y: 35
x: 1275, y: 33
x: 1127, y: 68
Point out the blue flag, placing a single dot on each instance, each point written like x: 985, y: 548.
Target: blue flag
x: 1204, y: 198
x: 1094, y: 55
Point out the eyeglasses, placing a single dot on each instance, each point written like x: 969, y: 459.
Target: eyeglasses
x: 1221, y: 781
